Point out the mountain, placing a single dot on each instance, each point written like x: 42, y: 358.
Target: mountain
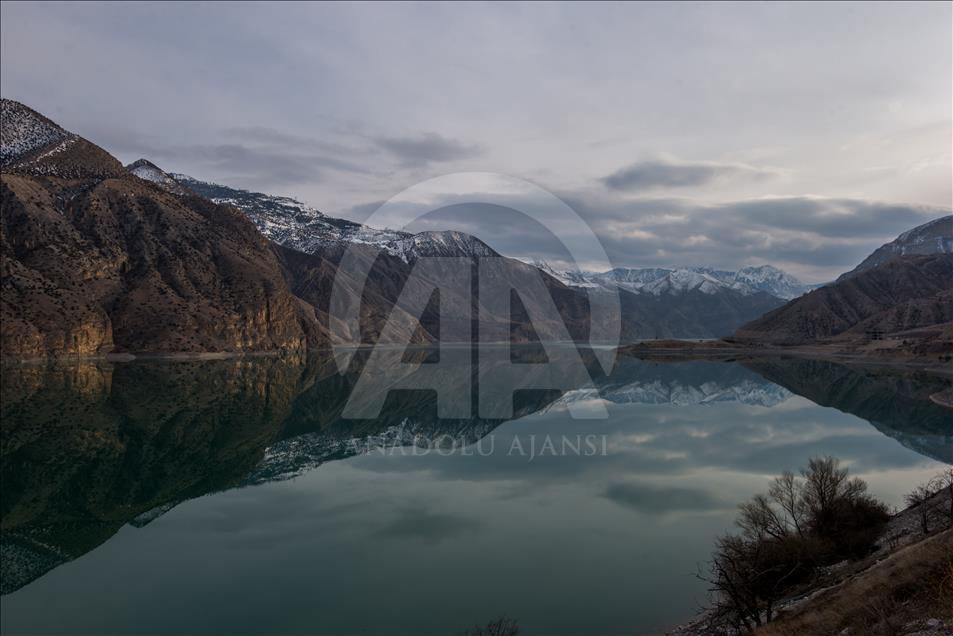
x: 903, y: 288
x: 147, y: 170
x: 659, y: 280
x: 772, y: 280
x: 291, y: 223
x: 33, y: 145
x: 97, y: 260
x: 909, y: 292
x: 294, y: 224
x: 933, y: 237
x: 437, y: 244
x: 310, y: 246
x: 688, y: 311
x: 570, y: 278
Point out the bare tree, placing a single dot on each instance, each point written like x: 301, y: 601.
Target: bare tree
x: 748, y: 577
x: 788, y: 492
x: 826, y: 487
x: 921, y: 498
x: 944, y: 482
x: 502, y: 626
x: 758, y: 520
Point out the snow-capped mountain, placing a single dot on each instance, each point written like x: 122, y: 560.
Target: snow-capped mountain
x: 570, y: 278
x: 933, y: 237
x: 34, y: 145
x: 658, y: 281
x: 145, y: 169
x: 628, y: 278
x: 674, y: 303
x: 445, y: 243
x: 772, y: 280
x: 24, y: 131
x: 291, y: 223
x: 683, y: 280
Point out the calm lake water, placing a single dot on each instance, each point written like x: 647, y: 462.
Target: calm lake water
x: 234, y: 497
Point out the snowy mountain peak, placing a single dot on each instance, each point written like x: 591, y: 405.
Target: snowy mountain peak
x: 25, y: 132
x: 148, y: 171
x: 33, y: 144
x: 658, y: 280
x: 291, y: 223
x: 933, y: 237
x: 570, y: 278
x: 683, y: 280
x: 444, y: 243
x: 768, y: 278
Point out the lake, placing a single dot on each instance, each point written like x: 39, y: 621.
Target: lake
x: 236, y: 497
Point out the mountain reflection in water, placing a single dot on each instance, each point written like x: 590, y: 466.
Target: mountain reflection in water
x: 90, y: 447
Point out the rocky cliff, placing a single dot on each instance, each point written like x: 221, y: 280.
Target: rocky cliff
x: 95, y: 259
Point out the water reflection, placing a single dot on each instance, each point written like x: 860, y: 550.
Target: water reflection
x: 90, y: 448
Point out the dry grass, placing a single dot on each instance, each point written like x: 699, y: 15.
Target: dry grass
x: 911, y: 585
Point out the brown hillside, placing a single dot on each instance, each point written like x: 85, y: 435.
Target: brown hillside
x: 906, y: 293
x: 119, y: 265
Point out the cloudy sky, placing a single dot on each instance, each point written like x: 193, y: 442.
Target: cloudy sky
x: 803, y: 135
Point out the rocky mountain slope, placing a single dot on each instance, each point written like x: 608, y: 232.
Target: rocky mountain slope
x: 150, y: 172
x: 97, y: 260
x: 906, y: 293
x: 670, y: 303
x: 35, y: 146
x: 287, y: 221
x: 902, y: 292
x: 100, y: 258
x: 933, y: 237
x: 293, y: 224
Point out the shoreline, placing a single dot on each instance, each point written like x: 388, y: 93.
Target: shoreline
x: 722, y: 351
x: 655, y: 350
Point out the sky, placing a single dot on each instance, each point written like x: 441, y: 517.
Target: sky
x: 801, y: 135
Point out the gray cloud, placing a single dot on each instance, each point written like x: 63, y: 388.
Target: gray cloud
x: 427, y: 148
x: 813, y: 238
x: 816, y: 238
x: 291, y: 142
x: 266, y: 165
x: 338, y: 92
x: 646, y: 175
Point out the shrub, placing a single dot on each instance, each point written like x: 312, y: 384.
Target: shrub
x: 820, y: 517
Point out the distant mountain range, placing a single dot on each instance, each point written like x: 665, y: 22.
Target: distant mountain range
x: 658, y: 280
x: 102, y: 258
x: 685, y: 303
x: 293, y: 224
